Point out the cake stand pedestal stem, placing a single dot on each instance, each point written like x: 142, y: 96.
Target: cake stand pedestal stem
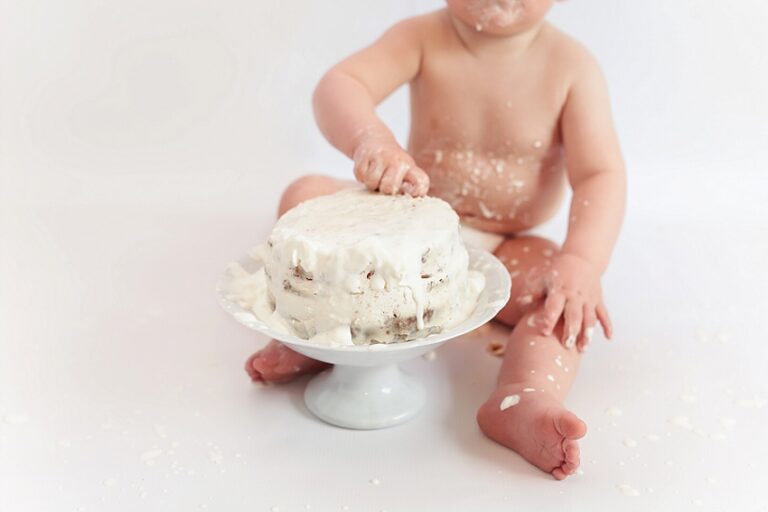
x: 364, y: 397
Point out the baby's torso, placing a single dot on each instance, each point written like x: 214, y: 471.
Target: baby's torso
x: 487, y: 133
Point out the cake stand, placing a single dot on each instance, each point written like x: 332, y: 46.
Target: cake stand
x: 366, y: 389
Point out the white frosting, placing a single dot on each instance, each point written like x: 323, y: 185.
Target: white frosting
x: 509, y: 401
x: 501, y: 13
x: 627, y: 490
x: 630, y: 443
x: 357, y: 267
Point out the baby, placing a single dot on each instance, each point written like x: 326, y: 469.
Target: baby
x: 505, y: 109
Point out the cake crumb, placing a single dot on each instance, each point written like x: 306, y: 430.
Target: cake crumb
x: 627, y: 490
x: 16, y: 418
x: 496, y: 347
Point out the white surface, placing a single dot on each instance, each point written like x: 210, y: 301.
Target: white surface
x: 144, y: 144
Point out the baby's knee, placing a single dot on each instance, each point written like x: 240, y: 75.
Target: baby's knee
x: 521, y: 253
x: 535, y: 246
x: 307, y: 187
x: 527, y: 259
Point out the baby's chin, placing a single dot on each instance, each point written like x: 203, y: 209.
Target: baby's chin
x: 501, y: 30
x: 499, y: 17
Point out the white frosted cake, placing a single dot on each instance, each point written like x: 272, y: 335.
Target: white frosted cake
x: 357, y: 267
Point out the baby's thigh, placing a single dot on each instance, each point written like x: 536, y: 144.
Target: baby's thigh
x: 528, y: 259
x: 311, y: 186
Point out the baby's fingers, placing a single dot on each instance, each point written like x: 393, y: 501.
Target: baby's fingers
x: 416, y: 182
x: 361, y: 167
x: 589, y: 328
x: 553, y: 308
x: 573, y: 317
x: 605, y: 320
x: 372, y: 177
x: 393, y: 178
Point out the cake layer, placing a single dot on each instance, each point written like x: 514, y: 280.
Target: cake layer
x: 359, y: 267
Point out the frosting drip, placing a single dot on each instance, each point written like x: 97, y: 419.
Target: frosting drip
x: 357, y: 267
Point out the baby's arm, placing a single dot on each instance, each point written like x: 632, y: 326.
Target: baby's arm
x: 596, y: 174
x: 345, y: 101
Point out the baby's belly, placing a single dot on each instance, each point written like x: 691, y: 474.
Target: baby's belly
x: 500, y: 193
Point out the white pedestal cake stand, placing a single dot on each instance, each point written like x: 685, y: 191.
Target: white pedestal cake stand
x: 366, y: 389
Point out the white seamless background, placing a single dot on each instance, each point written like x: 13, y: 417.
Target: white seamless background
x: 145, y: 143
x: 136, y: 95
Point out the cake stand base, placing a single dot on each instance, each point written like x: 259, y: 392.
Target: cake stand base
x: 364, y: 397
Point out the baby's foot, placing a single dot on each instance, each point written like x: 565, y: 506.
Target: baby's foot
x: 537, y: 427
x: 278, y: 363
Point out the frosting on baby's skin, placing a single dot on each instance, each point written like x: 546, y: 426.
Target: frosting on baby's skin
x: 356, y: 266
x: 509, y: 401
x: 500, y: 13
x: 465, y: 177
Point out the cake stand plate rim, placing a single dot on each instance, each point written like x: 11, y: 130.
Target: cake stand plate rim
x: 493, y: 298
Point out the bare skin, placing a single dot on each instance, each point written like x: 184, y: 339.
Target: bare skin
x: 505, y: 111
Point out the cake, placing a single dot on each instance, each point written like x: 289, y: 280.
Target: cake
x: 358, y: 267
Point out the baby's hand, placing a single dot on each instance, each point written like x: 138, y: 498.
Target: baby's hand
x: 386, y: 167
x: 574, y: 292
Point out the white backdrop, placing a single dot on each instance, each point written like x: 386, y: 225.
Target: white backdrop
x: 144, y: 143
x: 138, y: 95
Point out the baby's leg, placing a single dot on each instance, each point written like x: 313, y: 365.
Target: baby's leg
x: 525, y: 412
x: 276, y: 362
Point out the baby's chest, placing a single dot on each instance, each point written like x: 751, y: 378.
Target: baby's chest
x: 509, y: 106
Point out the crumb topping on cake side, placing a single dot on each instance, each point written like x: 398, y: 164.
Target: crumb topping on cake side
x: 357, y: 267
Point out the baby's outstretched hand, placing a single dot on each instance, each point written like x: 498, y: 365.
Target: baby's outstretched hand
x: 386, y: 167
x: 573, y: 291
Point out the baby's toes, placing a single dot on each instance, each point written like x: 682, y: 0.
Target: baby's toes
x: 572, y: 456
x: 260, y: 366
x: 293, y: 364
x: 250, y: 369
x: 569, y: 425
